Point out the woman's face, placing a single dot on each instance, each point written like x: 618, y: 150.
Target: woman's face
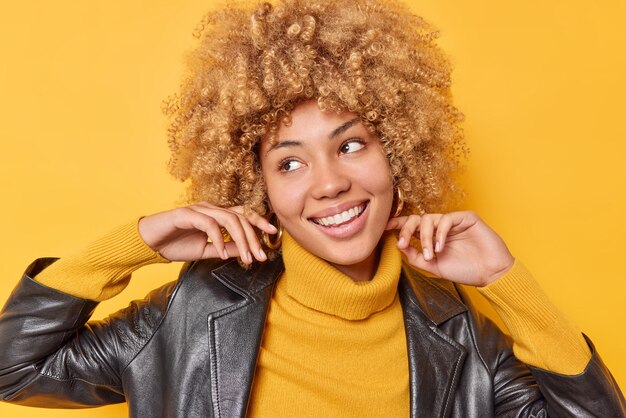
x: 329, y: 183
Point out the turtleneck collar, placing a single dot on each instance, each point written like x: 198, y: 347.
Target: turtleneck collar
x: 314, y: 283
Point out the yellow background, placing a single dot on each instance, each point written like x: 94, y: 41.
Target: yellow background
x: 541, y: 83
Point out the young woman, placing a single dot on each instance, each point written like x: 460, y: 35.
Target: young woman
x: 333, y: 120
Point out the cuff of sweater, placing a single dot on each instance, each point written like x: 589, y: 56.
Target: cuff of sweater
x: 103, y: 268
x: 542, y: 336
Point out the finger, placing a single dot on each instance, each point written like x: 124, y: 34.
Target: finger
x: 416, y: 259
x: 427, y: 226
x: 253, y: 239
x: 231, y: 221
x: 413, y: 256
x: 255, y: 219
x: 234, y: 227
x: 230, y: 249
x: 407, y: 230
x: 248, y: 220
x: 214, y: 234
x: 260, y: 222
x: 190, y: 218
x: 445, y: 224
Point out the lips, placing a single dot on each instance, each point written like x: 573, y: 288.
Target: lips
x: 340, y: 217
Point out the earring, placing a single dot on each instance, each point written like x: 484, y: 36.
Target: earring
x: 276, y: 243
x: 399, y: 199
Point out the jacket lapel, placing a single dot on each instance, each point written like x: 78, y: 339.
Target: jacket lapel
x: 435, y: 360
x: 235, y: 335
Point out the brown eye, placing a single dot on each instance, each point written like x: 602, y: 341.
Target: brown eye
x: 290, y: 165
x: 352, y: 145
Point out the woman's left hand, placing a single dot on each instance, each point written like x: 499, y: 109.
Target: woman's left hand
x: 456, y: 246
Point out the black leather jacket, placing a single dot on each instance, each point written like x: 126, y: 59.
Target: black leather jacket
x: 189, y: 350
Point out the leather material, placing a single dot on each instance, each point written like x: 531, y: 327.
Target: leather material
x: 190, y: 348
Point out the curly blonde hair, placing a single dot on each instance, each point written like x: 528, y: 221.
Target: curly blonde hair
x: 255, y: 63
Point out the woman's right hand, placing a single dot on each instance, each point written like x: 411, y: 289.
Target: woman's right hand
x: 193, y: 232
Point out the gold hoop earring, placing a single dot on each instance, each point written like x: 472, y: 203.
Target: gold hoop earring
x: 278, y: 238
x: 399, y: 199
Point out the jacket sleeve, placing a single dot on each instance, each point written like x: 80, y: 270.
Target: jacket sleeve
x: 592, y: 393
x: 521, y: 390
x: 50, y: 356
x: 569, y: 372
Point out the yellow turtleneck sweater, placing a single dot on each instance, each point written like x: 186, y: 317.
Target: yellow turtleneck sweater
x: 330, y: 326
x: 333, y: 346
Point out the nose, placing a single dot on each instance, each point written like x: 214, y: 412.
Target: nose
x: 329, y: 182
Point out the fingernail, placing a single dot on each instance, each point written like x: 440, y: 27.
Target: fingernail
x: 272, y: 228
x: 225, y: 253
x: 426, y: 252
x: 437, y: 246
x: 249, y: 257
x: 262, y: 254
x: 401, y: 242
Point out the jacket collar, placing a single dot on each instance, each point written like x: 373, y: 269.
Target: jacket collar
x: 435, y: 360
x: 436, y: 298
x: 252, y: 281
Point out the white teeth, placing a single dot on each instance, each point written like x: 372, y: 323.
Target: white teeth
x: 341, y: 217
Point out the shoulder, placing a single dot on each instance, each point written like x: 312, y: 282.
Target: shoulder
x: 211, y: 284
x: 203, y: 288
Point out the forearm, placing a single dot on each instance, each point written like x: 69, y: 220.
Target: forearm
x: 102, y: 269
x: 543, y: 337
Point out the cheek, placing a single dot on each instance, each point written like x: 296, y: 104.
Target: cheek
x: 380, y: 183
x: 285, y: 200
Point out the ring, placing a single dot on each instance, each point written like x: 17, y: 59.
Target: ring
x: 225, y: 235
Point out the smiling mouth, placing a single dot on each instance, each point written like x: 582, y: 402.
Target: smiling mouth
x: 341, y: 218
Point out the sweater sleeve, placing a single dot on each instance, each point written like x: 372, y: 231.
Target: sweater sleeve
x: 102, y: 269
x: 542, y: 336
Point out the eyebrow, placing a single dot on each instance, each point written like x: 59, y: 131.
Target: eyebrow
x: 335, y: 133
x: 343, y: 127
